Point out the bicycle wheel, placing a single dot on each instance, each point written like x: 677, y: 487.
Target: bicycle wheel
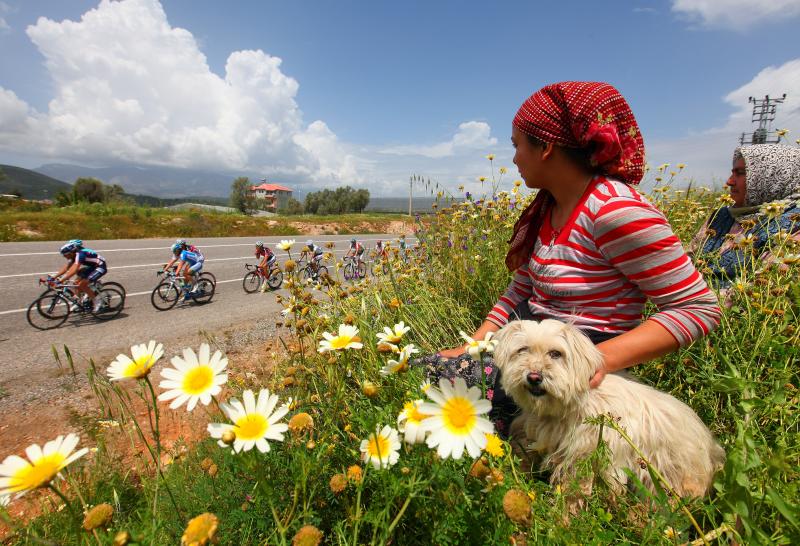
x: 204, y: 290
x: 251, y: 282
x: 275, y: 279
x: 385, y: 268
x: 101, y: 285
x: 322, y: 272
x: 209, y: 275
x: 308, y: 273
x: 50, y: 310
x: 113, y: 300
x: 349, y: 274
x: 165, y: 296
x: 362, y: 270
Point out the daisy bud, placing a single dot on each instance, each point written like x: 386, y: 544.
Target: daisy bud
x: 212, y: 470
x: 291, y: 370
x: 289, y: 266
x: 300, y: 423
x: 123, y: 538
x: 370, y: 389
x: 338, y: 483
x: 349, y: 319
x: 517, y: 506
x: 228, y: 437
x: 479, y: 469
x: 355, y: 474
x: 206, y: 463
x: 99, y: 516
x: 201, y: 530
x: 307, y: 536
x: 311, y: 444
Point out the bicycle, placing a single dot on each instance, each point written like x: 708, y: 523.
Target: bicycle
x: 354, y: 268
x: 308, y: 271
x: 167, y: 293
x: 60, y: 300
x: 253, y: 280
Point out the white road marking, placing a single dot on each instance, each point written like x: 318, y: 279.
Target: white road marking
x: 55, y: 252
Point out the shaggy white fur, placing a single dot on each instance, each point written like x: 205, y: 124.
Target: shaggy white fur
x: 546, y: 367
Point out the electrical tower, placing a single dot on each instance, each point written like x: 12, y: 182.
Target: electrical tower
x: 763, y: 115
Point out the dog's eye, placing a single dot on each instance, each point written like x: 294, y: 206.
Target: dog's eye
x: 522, y: 350
x: 555, y: 354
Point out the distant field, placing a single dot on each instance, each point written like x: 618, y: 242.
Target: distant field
x: 22, y: 221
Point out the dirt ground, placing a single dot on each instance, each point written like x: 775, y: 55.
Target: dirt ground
x: 252, y: 350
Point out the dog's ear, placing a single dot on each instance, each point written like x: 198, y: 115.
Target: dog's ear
x: 504, y: 349
x: 586, y: 357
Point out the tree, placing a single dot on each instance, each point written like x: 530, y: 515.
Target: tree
x: 241, y: 198
x: 89, y: 189
x: 293, y: 206
x: 343, y: 199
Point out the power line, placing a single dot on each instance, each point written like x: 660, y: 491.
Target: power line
x: 763, y: 115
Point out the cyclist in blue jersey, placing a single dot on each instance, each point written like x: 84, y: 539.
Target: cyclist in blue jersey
x: 87, y: 264
x: 190, y: 262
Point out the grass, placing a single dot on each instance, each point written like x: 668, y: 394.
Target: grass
x: 742, y: 380
x: 27, y: 221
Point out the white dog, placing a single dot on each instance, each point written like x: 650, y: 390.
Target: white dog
x: 546, y: 367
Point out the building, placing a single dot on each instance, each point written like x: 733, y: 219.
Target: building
x: 274, y: 196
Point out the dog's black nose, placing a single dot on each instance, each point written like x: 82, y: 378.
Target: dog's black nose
x: 534, y: 379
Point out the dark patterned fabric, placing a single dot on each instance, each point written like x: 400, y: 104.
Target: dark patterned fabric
x: 590, y: 115
x: 773, y: 173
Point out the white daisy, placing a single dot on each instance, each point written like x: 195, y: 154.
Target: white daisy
x: 393, y: 336
x: 254, y: 422
x: 456, y: 419
x: 401, y: 364
x: 476, y: 348
x: 347, y: 339
x: 194, y: 378
x: 408, y: 422
x: 144, y: 357
x: 286, y: 244
x: 43, y: 465
x: 381, y: 448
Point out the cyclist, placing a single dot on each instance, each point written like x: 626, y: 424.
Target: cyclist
x: 267, y: 262
x: 356, y: 250
x: 87, y: 264
x: 381, y: 252
x: 190, y: 262
x: 403, y: 247
x: 313, y: 253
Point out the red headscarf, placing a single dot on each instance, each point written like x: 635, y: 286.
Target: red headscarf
x: 577, y: 115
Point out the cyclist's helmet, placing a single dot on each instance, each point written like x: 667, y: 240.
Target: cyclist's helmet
x: 177, y: 247
x: 71, y: 246
x: 309, y: 243
x: 353, y: 241
x: 259, y: 244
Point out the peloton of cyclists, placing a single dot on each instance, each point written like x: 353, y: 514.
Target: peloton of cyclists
x: 190, y: 263
x: 313, y: 253
x: 356, y: 251
x: 267, y: 262
x: 87, y: 264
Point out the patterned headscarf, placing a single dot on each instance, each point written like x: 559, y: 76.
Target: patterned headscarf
x: 577, y: 115
x: 773, y: 174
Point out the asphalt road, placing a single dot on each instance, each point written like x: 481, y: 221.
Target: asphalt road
x: 26, y: 354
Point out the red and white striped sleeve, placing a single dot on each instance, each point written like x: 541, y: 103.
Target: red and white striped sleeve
x: 637, y: 239
x: 520, y: 289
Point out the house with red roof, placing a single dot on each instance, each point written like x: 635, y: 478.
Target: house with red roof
x: 271, y: 197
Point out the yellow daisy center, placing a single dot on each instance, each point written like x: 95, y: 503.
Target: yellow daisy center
x: 458, y: 415
x: 198, y: 380
x: 340, y: 342
x: 140, y: 366
x: 39, y: 474
x: 252, y: 426
x: 378, y: 446
x: 413, y: 415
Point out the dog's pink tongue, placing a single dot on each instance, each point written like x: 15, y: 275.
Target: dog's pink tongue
x: 535, y: 377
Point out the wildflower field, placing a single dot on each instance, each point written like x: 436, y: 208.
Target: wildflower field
x: 344, y: 443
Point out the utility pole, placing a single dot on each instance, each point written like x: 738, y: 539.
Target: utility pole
x: 410, y: 193
x: 763, y: 115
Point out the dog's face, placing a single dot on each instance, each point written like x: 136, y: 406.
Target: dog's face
x: 545, y: 364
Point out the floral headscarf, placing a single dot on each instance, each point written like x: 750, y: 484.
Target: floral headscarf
x: 773, y: 174
x: 577, y: 115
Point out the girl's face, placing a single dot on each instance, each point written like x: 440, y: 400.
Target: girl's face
x: 737, y: 183
x: 527, y: 157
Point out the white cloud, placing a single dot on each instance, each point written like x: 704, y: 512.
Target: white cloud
x: 129, y: 87
x: 471, y: 136
x: 735, y: 14
x: 708, y: 154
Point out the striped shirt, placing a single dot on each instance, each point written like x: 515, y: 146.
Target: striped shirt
x: 615, y: 252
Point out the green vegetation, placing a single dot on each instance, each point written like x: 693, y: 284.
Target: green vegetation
x: 337, y: 201
x: 742, y: 380
x: 32, y: 221
x: 241, y: 198
x: 30, y: 184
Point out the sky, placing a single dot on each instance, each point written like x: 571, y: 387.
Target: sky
x: 319, y: 94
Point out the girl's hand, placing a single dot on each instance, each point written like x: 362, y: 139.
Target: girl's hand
x: 597, y: 378
x: 452, y: 353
